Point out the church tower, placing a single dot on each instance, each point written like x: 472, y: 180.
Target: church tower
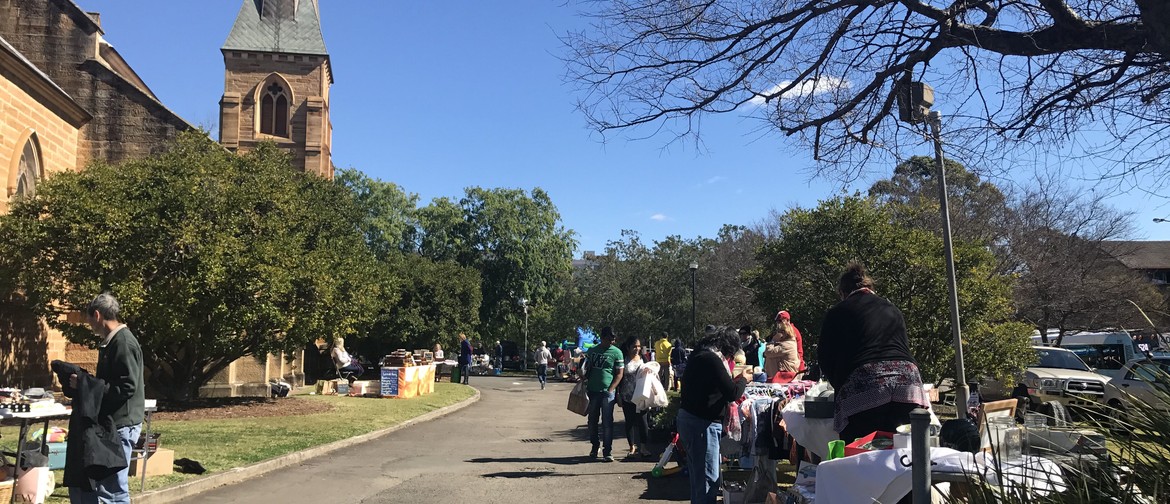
x: 276, y: 85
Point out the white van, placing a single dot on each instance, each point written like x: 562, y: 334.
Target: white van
x: 1106, y: 352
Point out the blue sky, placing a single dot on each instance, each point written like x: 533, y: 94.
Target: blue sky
x: 438, y: 96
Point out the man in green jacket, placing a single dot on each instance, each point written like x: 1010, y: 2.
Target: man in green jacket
x: 120, y: 367
x: 606, y: 367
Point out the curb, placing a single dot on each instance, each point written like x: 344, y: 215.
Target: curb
x: 240, y: 474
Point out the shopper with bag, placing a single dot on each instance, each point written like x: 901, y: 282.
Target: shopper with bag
x: 604, y: 371
x: 637, y: 426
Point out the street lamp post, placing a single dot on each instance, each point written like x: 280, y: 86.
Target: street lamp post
x: 915, y: 100
x: 524, y: 353
x: 694, y: 267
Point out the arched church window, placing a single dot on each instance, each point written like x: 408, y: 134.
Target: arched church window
x: 274, y: 111
x: 28, y: 170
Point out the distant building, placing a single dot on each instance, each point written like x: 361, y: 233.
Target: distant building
x: 1151, y: 258
x: 67, y: 98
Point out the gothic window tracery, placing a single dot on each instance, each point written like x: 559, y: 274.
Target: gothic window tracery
x: 274, y: 110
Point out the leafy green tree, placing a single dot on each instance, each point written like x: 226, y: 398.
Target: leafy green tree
x: 437, y: 300
x: 514, y: 239
x: 391, y: 221
x: 799, y: 270
x: 214, y: 256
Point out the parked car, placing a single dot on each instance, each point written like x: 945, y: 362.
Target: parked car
x: 1139, y: 383
x: 1105, y: 352
x: 1058, y: 380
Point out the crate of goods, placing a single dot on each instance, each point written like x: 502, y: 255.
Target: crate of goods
x: 399, y: 358
x: 819, y: 407
x: 6, y: 489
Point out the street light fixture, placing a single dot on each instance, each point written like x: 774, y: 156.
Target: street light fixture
x: 524, y: 353
x: 694, y: 267
x: 914, y: 102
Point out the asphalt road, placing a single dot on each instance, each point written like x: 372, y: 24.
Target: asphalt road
x: 517, y: 444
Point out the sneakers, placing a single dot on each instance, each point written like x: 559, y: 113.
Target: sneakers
x: 609, y: 458
x: 593, y: 454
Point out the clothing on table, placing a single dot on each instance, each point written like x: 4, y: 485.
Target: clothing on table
x: 708, y: 387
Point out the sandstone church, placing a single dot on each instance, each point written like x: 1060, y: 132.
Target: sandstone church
x: 67, y: 98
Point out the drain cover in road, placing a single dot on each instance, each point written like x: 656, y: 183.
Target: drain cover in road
x: 536, y: 440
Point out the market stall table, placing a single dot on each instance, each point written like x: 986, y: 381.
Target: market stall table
x: 26, y: 420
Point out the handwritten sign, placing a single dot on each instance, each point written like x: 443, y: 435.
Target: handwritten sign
x: 389, y: 382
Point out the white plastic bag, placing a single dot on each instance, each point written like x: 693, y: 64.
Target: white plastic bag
x: 649, y: 392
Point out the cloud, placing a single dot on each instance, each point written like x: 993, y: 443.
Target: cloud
x: 716, y: 179
x: 659, y: 217
x: 805, y: 88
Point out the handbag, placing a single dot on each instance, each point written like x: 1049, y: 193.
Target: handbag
x: 579, y: 399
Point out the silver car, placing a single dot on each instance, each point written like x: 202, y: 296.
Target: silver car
x: 1138, y: 384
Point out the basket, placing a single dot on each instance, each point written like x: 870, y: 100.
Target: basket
x: 6, y: 490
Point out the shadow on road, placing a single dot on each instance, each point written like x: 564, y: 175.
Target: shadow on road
x: 581, y: 433
x: 545, y: 474
x: 673, y: 488
x: 530, y: 460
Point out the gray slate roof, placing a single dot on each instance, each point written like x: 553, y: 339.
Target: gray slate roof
x: 279, y: 26
x: 1140, y: 255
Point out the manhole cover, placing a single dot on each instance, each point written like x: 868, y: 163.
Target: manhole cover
x: 536, y: 440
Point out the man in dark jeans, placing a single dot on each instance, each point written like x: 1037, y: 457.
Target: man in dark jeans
x: 606, y: 366
x: 464, y: 358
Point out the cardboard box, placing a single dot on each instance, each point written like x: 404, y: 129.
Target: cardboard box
x: 161, y: 462
x: 855, y: 448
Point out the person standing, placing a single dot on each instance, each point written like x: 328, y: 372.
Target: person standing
x: 464, y: 358
x: 542, y: 358
x: 637, y: 423
x: 784, y: 323
x: 604, y: 373
x: 120, y: 367
x: 751, y: 347
x: 499, y: 356
x: 662, y: 351
x: 708, y: 389
x: 678, y: 361
x: 865, y: 355
x: 781, y: 358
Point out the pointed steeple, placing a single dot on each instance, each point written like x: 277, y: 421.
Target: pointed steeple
x: 278, y: 26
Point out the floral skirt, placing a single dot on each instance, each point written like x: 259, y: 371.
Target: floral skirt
x: 876, y: 383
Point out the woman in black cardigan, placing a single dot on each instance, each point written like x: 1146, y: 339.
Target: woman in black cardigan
x: 865, y: 355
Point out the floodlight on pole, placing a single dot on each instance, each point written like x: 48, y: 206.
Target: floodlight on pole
x: 524, y: 353
x: 914, y: 102
x: 694, y: 267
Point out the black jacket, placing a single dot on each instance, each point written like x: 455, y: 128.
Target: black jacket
x: 707, y: 386
x: 861, y: 329
x: 94, y: 451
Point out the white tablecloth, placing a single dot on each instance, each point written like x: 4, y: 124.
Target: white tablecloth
x: 814, y: 434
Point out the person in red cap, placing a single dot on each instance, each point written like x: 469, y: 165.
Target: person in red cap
x: 782, y: 360
x: 784, y: 323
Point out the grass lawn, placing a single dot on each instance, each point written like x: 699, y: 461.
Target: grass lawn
x: 224, y: 444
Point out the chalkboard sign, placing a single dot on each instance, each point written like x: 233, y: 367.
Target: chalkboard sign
x: 390, y: 382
